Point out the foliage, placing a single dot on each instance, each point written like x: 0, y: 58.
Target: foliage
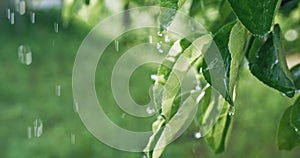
x: 241, y: 30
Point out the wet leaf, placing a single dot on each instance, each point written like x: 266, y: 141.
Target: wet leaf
x: 295, y: 116
x: 256, y: 15
x: 295, y: 71
x: 268, y: 63
x: 167, y: 12
x: 218, y: 67
x: 287, y: 138
x: 237, y: 45
x: 179, y: 122
x: 217, y: 137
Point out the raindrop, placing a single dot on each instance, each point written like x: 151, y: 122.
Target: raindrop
x: 38, y: 128
x: 150, y: 110
x: 158, y: 45
x: 274, y: 64
x: 56, y: 27
x: 29, y: 132
x: 197, y: 135
x: 154, y: 77
x: 198, y: 88
x: 167, y: 39
x: 117, y: 45
x: 32, y: 17
x: 22, y: 7
x: 12, y: 18
x: 150, y: 39
x: 58, y: 90
x: 160, y: 51
x: 8, y: 14
x: 170, y: 58
x: 73, y: 138
x: 159, y: 33
x: 231, y: 111
x: 25, y: 55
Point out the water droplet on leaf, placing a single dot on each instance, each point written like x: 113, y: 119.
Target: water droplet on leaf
x: 197, y: 135
x: 231, y: 111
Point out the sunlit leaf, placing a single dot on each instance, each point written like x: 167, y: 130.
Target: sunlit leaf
x: 256, y: 15
x: 268, y: 63
x: 178, y: 123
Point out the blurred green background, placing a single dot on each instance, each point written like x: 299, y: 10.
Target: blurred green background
x: 27, y: 92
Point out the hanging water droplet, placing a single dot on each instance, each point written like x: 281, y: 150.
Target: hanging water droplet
x: 154, y: 77
x: 12, y: 18
x: 197, y: 135
x: 58, y: 90
x: 29, y: 132
x: 117, y: 45
x: 8, y: 14
x: 38, y: 128
x: 150, y: 39
x: 167, y: 39
x: 73, y: 138
x: 25, y: 55
x: 56, y: 27
x: 150, y: 110
x: 22, y: 7
x: 75, y: 106
x: 32, y: 17
x: 159, y: 33
x: 231, y: 111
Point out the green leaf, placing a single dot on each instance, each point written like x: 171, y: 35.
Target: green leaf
x: 287, y: 138
x: 237, y: 45
x: 196, y: 7
x: 178, y: 123
x: 256, y: 15
x: 217, y: 137
x: 217, y: 67
x: 167, y: 12
x: 295, y: 116
x: 295, y: 71
x: 268, y: 63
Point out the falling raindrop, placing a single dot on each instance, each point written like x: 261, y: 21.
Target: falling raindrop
x: 231, y: 110
x: 32, y: 17
x: 58, y: 90
x: 167, y: 39
x: 38, y: 128
x: 29, y: 132
x: 73, y: 138
x: 22, y: 7
x: 154, y: 77
x: 12, y: 18
x: 197, y: 135
x: 8, y: 14
x: 159, y: 33
x: 56, y: 27
x: 117, y: 45
x: 150, y: 110
x: 25, y: 55
x: 150, y: 39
